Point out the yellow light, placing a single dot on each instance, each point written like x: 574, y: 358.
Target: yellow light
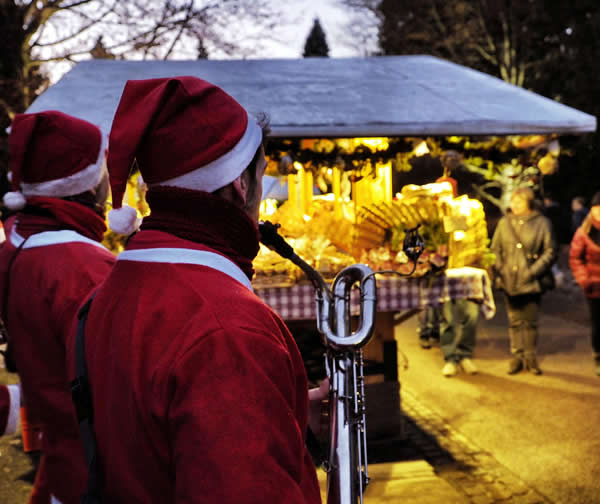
x: 439, y: 187
x: 307, y: 217
x: 466, y: 206
x: 326, y: 197
x: 268, y: 207
x: 298, y: 166
x: 459, y: 235
x: 375, y: 144
x: 421, y: 149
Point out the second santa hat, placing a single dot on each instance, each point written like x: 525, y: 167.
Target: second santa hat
x: 184, y: 132
x: 53, y: 154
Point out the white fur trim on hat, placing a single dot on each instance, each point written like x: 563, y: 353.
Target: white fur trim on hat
x: 123, y: 220
x: 14, y: 393
x: 14, y: 200
x: 223, y: 170
x: 79, y: 182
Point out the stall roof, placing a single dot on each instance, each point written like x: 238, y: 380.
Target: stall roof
x: 325, y: 97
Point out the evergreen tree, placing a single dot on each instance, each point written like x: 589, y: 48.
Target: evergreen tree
x: 202, y: 51
x: 316, y: 43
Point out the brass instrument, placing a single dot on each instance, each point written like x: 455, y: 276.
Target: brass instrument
x: 346, y: 466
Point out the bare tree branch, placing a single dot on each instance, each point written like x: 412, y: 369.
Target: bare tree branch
x: 76, y: 33
x: 181, y: 28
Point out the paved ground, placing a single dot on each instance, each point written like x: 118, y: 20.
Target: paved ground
x: 515, y: 438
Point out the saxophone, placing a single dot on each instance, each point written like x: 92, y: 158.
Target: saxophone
x: 346, y: 464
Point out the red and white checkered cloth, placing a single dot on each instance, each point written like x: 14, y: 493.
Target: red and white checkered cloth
x: 394, y: 294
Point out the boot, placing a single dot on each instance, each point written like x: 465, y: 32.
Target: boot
x: 529, y: 344
x: 532, y: 365
x: 515, y: 365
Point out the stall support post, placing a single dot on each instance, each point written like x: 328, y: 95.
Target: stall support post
x: 308, y: 191
x: 293, y: 191
x: 337, y: 192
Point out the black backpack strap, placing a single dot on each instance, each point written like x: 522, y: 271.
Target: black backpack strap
x: 82, y: 398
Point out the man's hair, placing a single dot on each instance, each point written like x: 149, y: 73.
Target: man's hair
x: 90, y: 198
x: 525, y: 193
x: 263, y: 121
x: 580, y: 200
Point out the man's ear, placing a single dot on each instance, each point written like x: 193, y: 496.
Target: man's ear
x: 240, y: 186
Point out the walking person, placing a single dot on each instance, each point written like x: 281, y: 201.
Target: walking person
x: 584, y: 260
x: 51, y: 261
x: 199, y: 390
x: 457, y: 317
x: 525, y: 250
x: 458, y: 331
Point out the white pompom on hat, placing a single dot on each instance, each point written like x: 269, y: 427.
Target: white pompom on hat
x: 123, y: 220
x: 183, y: 132
x: 14, y: 200
x: 53, y: 154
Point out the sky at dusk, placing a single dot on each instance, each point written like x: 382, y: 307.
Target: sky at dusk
x: 297, y: 22
x: 345, y: 37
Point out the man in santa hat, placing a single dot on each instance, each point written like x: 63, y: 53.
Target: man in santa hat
x: 49, y: 264
x: 199, y: 391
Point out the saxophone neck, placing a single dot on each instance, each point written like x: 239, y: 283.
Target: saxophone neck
x: 270, y: 237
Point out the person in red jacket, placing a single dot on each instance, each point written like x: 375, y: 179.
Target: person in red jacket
x: 199, y: 390
x: 584, y: 260
x: 49, y: 264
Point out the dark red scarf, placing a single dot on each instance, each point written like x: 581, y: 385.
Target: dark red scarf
x: 54, y: 214
x: 204, y: 218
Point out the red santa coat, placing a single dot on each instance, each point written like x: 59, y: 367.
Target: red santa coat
x: 199, y: 390
x: 10, y: 400
x: 53, y: 274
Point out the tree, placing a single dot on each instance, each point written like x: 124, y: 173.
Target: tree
x: 547, y: 46
x: 316, y: 42
x: 36, y: 35
x: 507, y: 38
x: 99, y: 51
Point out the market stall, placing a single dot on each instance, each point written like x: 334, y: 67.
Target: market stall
x: 357, y: 105
x: 358, y: 219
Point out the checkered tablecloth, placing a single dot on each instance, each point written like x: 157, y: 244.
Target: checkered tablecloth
x: 395, y: 294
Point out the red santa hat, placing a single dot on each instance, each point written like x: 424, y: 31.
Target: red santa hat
x: 53, y: 154
x: 183, y: 132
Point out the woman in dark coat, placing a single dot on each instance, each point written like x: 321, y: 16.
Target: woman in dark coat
x: 525, y: 250
x: 584, y: 260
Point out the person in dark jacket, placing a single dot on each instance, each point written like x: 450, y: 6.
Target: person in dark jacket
x: 525, y: 250
x: 584, y: 260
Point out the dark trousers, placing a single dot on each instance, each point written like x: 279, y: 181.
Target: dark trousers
x: 429, y: 323
x: 594, y: 305
x: 523, y: 315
